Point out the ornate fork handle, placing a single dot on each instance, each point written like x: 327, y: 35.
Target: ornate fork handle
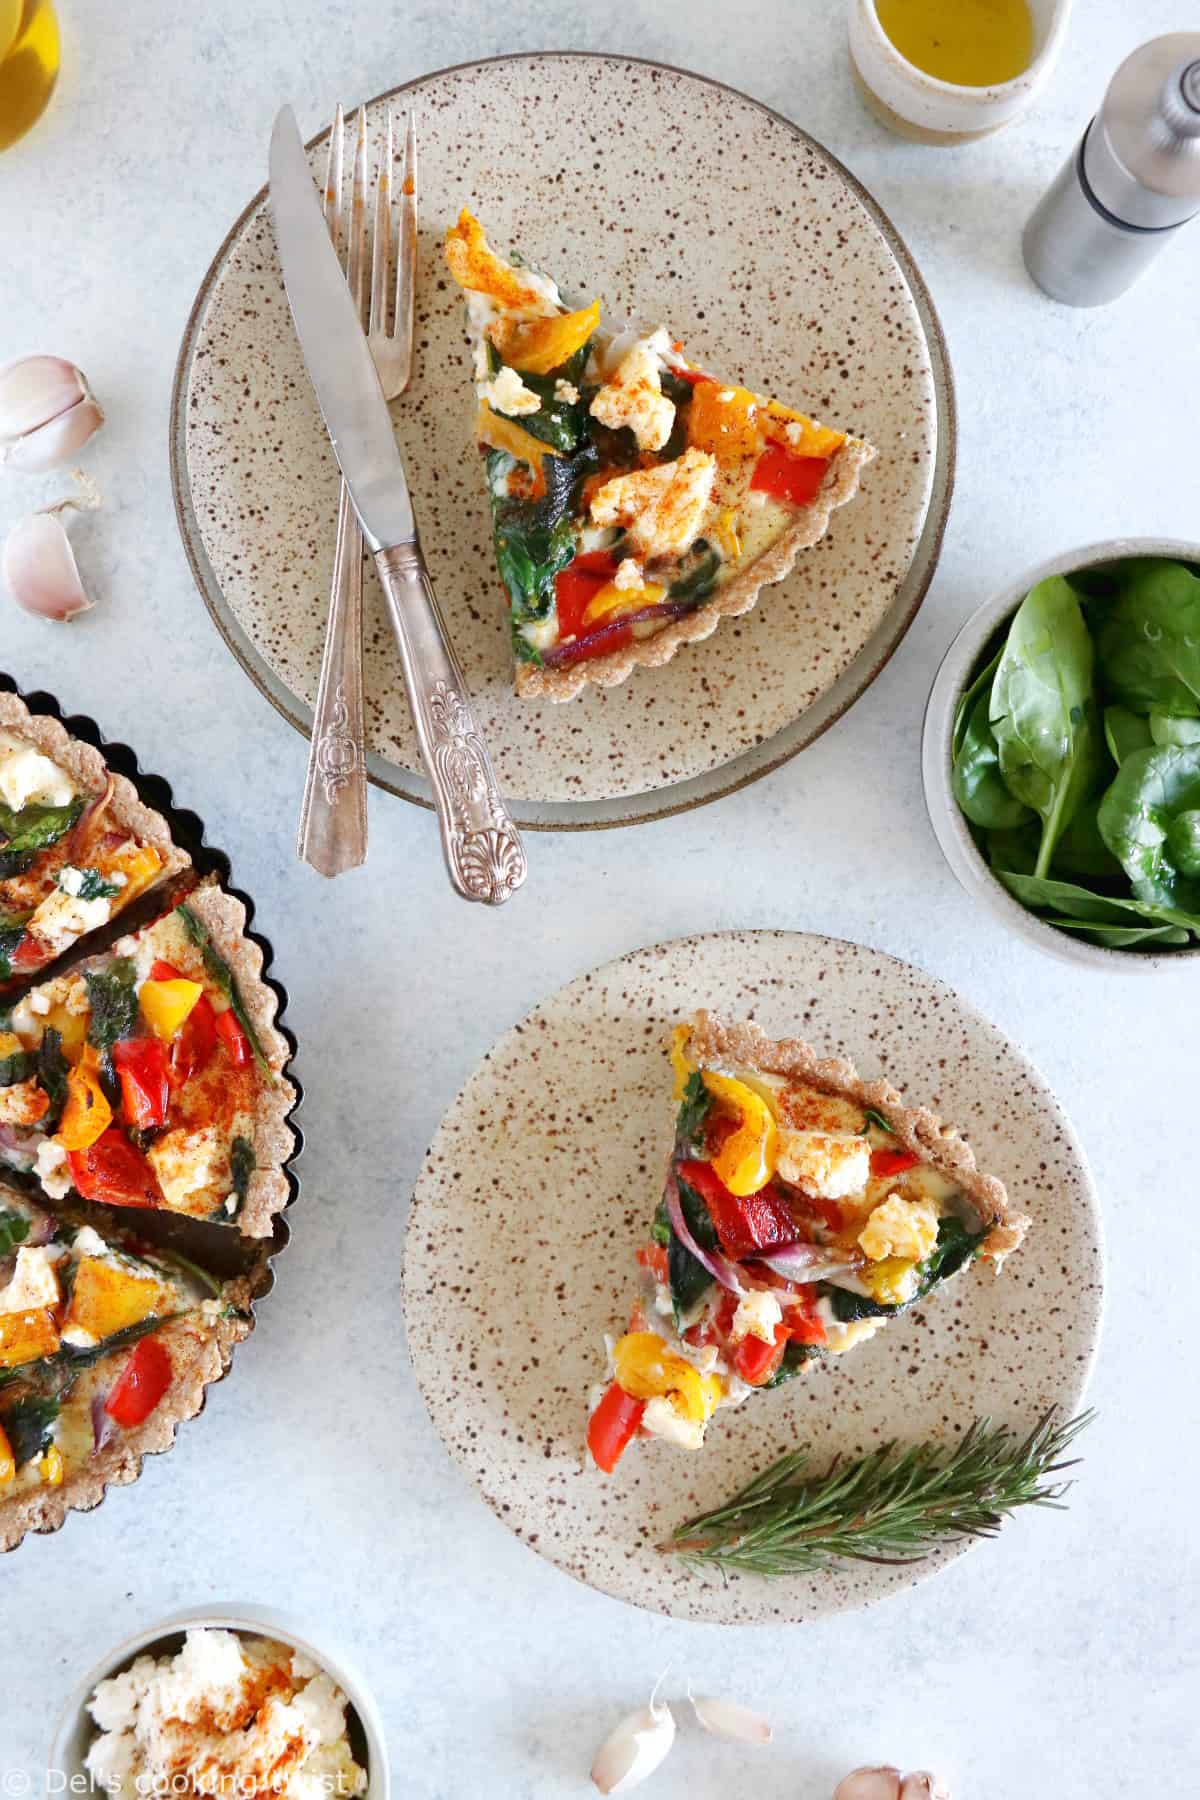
x: 333, y: 813
x: 483, y: 850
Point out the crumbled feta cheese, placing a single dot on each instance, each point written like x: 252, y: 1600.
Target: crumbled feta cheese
x: 28, y: 778
x: 507, y: 393
x: 840, y: 1338
x: 633, y: 397
x: 566, y: 392
x: 758, y: 1313
x: 61, y: 918
x: 22, y: 1103
x: 540, y: 633
x: 829, y: 1164
x: 39, y: 1002
x: 900, y: 1227
x: 629, y: 574
x: 192, y: 1167
x: 482, y: 367
x: 70, y: 880
x: 660, y: 1419
x: 86, y: 1242
x: 662, y: 507
x: 34, y: 1282
x: 78, y: 1338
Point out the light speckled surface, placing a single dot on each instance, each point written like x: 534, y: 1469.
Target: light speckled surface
x: 550, y: 1163
x: 1064, y: 1657
x: 808, y: 302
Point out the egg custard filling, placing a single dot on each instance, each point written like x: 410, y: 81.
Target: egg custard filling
x: 636, y: 498
x: 104, y: 1345
x: 149, y: 1076
x: 804, y: 1207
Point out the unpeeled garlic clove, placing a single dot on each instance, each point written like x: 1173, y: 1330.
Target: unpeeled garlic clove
x: 40, y: 570
x: 635, y: 1749
x: 882, y: 1783
x: 921, y: 1785
x: 730, y: 1719
x: 47, y: 413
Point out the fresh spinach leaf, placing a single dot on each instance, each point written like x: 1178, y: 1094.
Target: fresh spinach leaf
x: 689, y: 1279
x: 1145, y: 821
x: 979, y: 683
x: 1125, y: 732
x: 1043, y: 709
x: 14, y: 1229
x: 1045, y: 894
x: 52, y: 1071
x: 27, y: 1426
x: 1124, y: 937
x: 1148, y: 638
x: 1164, y: 729
x: 693, y: 1111
x: 222, y: 975
x: 979, y: 787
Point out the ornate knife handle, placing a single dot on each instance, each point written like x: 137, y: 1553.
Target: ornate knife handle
x: 484, y: 853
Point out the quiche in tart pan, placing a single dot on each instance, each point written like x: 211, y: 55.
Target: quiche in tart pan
x: 804, y: 1208
x: 637, y: 499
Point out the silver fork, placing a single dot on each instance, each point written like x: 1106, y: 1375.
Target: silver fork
x: 333, y: 813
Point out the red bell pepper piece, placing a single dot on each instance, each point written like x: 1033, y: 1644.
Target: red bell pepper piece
x: 745, y: 1223
x: 611, y: 1426
x: 230, y: 1032
x: 29, y: 954
x: 577, y: 585
x: 756, y: 1361
x: 143, y: 1071
x: 113, y: 1171
x: 196, y: 1038
x: 803, y: 1323
x: 794, y: 479
x: 654, y: 1258
x: 892, y: 1162
x: 141, y: 1384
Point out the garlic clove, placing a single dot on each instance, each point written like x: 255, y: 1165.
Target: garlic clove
x: 47, y: 412
x: 40, y: 570
x: 730, y: 1719
x: 881, y: 1783
x: 921, y: 1785
x: 635, y: 1749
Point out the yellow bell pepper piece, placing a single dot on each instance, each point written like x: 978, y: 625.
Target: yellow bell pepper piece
x: 501, y: 433
x: 106, y: 1299
x: 797, y: 432
x: 50, y: 1466
x: 71, y: 1028
x: 8, y: 1462
x: 476, y: 267
x: 746, y: 1160
x: 167, y: 1004
x: 726, y: 533
x: 139, y: 864
x: 87, y: 1114
x: 26, y: 1337
x: 681, y: 1037
x: 724, y: 421
x: 645, y: 1368
x: 611, y: 600
x: 536, y: 346
x: 892, y: 1281
x: 10, y: 1044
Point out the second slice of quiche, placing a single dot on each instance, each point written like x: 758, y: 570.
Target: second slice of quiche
x: 636, y: 499
x: 804, y: 1208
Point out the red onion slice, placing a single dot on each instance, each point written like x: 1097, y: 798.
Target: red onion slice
x: 804, y: 1262
x: 88, y: 818
x: 718, y: 1266
x: 609, y: 633
x: 104, y: 1426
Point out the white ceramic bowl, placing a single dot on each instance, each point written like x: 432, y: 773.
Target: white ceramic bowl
x: 920, y: 106
x: 76, y: 1730
x: 949, y: 826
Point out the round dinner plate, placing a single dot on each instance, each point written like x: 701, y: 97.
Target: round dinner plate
x: 770, y: 262
x: 541, y: 1183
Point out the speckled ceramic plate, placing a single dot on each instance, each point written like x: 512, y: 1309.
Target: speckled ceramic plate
x: 774, y: 266
x: 539, y: 1187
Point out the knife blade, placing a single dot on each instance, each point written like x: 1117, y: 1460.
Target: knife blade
x: 334, y: 346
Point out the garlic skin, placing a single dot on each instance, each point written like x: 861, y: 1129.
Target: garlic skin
x: 881, y: 1783
x: 921, y: 1785
x: 635, y: 1749
x: 730, y: 1719
x: 39, y: 568
x: 47, y: 413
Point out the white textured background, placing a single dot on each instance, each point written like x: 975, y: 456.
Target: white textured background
x: 1061, y: 1661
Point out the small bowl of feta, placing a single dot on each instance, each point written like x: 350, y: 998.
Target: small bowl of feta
x: 230, y: 1700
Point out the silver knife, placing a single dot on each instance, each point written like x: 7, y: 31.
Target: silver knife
x: 484, y: 852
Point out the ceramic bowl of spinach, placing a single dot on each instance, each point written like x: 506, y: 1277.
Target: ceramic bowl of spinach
x: 1062, y: 754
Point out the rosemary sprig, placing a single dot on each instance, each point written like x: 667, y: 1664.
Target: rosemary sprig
x: 892, y: 1506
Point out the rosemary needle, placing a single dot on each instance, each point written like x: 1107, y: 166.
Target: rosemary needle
x: 891, y: 1506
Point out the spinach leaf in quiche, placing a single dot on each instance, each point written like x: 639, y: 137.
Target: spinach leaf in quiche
x: 693, y: 1111
x: 222, y: 975
x: 12, y: 930
x: 112, y: 996
x: 27, y: 1426
x: 699, y: 573
x: 17, y: 1066
x: 689, y: 1279
x: 93, y: 886
x: 795, y: 1358
x: 956, y: 1245
x: 28, y: 828
x: 14, y: 1229
x: 52, y: 1071
x: 243, y: 1165
x: 534, y: 536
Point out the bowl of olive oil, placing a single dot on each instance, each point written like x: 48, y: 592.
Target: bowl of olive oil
x: 948, y: 71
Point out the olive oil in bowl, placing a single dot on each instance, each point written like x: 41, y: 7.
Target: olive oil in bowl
x: 971, y: 43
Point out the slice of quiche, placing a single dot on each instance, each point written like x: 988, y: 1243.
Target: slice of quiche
x: 151, y: 1075
x: 76, y: 843
x: 104, y: 1348
x: 636, y: 499
x: 804, y: 1208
